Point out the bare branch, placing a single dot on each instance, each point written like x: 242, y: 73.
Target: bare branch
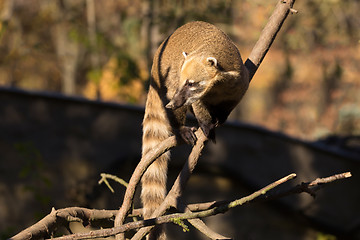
x: 192, y: 207
x: 300, y: 188
x: 105, y: 176
x: 145, y: 224
x: 320, y: 181
x: 268, y: 35
x: 310, y: 187
x: 46, y: 226
x: 201, y: 226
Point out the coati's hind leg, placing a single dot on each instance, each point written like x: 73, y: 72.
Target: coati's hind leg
x: 206, y: 122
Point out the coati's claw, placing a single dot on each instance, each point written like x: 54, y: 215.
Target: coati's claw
x: 188, y: 134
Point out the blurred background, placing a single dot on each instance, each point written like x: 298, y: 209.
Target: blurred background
x: 307, y: 86
x: 74, y: 76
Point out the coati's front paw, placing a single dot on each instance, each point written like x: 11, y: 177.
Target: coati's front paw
x: 188, y: 134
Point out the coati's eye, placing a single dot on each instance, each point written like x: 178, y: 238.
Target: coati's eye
x: 190, y: 83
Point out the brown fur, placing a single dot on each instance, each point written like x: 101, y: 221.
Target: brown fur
x: 218, y: 82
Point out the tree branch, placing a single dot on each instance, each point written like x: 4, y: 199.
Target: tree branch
x: 62, y: 217
x: 309, y: 187
x: 268, y: 35
x: 201, y: 226
x: 105, y: 176
x: 174, y: 217
x: 45, y: 227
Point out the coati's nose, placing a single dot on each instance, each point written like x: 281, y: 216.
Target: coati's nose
x: 174, y: 104
x: 170, y: 105
x: 178, y: 100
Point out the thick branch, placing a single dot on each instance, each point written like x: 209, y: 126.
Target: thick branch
x: 268, y: 35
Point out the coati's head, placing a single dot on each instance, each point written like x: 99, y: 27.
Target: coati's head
x: 197, y: 76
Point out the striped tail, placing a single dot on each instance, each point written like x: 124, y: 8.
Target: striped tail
x: 156, y: 128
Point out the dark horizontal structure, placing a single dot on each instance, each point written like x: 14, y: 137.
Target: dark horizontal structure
x: 53, y: 149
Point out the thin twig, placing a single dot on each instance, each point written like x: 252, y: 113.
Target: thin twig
x: 309, y: 187
x: 320, y: 181
x: 105, y: 176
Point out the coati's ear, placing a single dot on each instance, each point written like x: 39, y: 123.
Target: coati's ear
x: 184, y: 54
x: 212, y: 61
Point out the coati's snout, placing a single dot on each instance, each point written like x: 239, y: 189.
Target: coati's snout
x: 178, y: 100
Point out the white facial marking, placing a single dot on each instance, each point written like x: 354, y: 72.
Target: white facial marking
x: 191, y: 81
x: 184, y: 54
x: 184, y: 65
x: 213, y: 60
x: 202, y: 83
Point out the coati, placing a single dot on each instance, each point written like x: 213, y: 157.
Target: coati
x: 197, y: 68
